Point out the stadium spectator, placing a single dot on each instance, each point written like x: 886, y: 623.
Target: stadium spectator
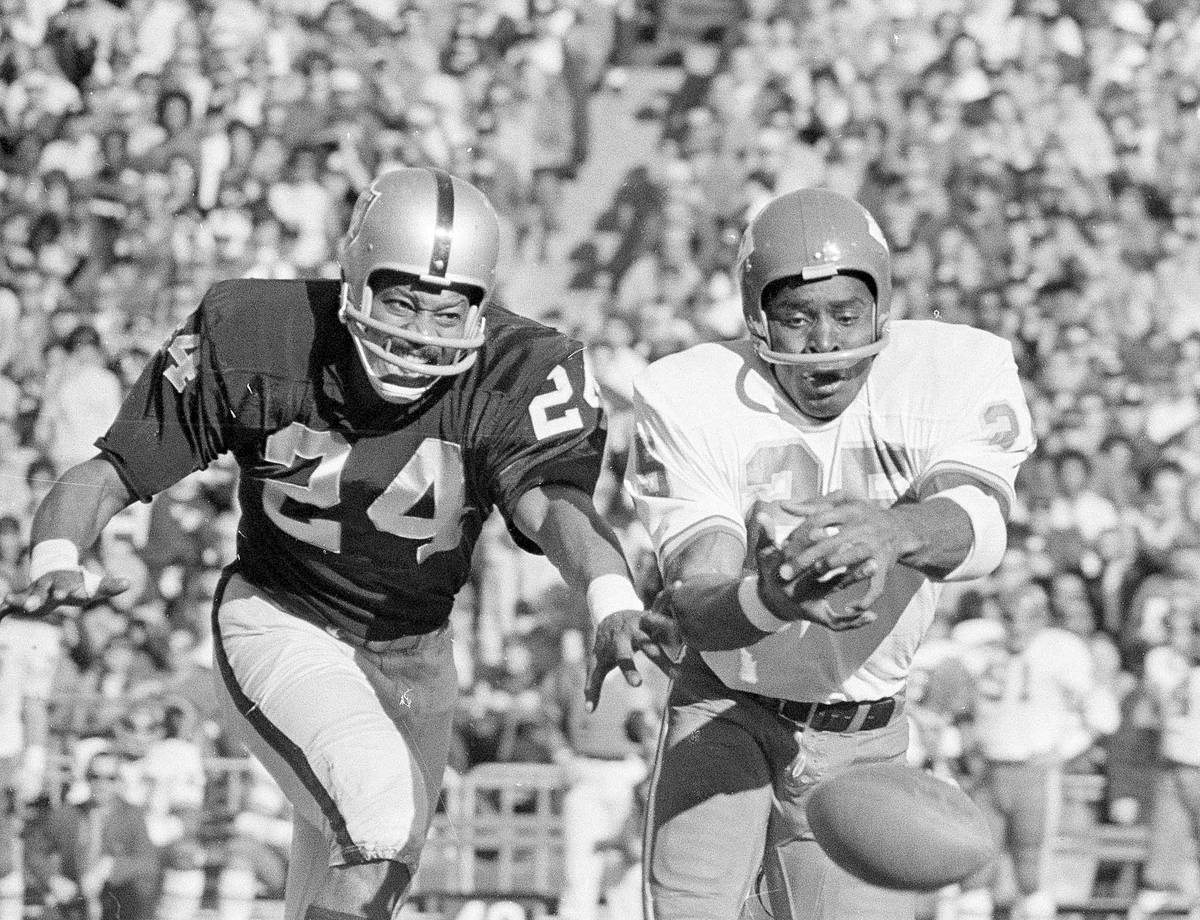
x: 94, y: 851
x: 1087, y: 250
x: 82, y: 400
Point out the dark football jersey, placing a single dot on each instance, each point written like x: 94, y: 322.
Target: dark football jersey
x: 362, y: 515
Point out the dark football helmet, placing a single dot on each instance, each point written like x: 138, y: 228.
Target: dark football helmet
x: 437, y: 228
x: 813, y: 233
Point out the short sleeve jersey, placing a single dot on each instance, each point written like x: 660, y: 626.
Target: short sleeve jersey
x: 1029, y: 704
x: 359, y: 514
x: 1174, y: 684
x: 715, y: 435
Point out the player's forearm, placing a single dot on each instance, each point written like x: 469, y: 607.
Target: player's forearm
x: 710, y: 614
x: 707, y: 593
x: 563, y: 521
x: 80, y: 504
x: 934, y: 535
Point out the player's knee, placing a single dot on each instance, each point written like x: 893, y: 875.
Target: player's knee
x: 361, y: 891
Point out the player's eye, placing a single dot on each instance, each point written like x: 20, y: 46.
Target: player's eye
x: 795, y: 321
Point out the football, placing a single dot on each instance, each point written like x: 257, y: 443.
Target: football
x: 898, y: 827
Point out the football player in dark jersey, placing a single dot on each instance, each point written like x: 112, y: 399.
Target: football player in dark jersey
x: 376, y: 423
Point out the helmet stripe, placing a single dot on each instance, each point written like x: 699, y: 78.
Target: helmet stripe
x: 439, y: 259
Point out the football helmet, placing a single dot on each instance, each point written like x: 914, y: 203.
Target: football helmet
x: 443, y: 231
x: 813, y: 233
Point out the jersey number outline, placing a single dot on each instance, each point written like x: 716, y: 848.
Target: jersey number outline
x: 435, y: 466
x: 544, y: 409
x: 1000, y: 420
x: 184, y: 370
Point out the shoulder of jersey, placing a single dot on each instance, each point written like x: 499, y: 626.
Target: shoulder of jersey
x: 518, y: 348
x: 696, y: 371
x: 941, y: 351
x: 271, y: 325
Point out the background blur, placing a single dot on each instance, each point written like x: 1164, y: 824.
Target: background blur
x: 1034, y: 163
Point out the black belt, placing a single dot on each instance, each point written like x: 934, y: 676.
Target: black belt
x: 851, y: 715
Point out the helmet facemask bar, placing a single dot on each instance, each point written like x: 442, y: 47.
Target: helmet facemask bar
x: 829, y: 360
x: 360, y: 323
x: 440, y: 232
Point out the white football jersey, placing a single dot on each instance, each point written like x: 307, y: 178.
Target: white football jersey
x: 1174, y: 683
x: 29, y: 652
x: 1041, y: 703
x: 715, y: 435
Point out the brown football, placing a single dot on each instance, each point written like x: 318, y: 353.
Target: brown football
x: 898, y: 827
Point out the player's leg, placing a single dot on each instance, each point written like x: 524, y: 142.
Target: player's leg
x: 12, y: 857
x: 710, y: 800
x: 182, y: 882
x: 308, y: 864
x: 975, y: 900
x: 595, y: 807
x: 1036, y: 804
x: 801, y: 881
x: 355, y: 736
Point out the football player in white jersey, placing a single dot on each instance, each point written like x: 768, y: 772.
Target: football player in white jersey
x: 1038, y: 703
x: 1172, y: 676
x: 806, y: 490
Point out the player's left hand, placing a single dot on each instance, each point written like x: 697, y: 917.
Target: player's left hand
x: 843, y: 539
x: 61, y: 588
x: 619, y: 635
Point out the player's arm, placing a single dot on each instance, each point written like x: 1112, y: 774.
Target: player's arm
x: 68, y: 521
x: 719, y: 606
x: 562, y: 520
x: 174, y: 420
x: 955, y: 530
x: 954, y: 526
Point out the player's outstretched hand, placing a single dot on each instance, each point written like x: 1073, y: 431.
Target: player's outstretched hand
x: 619, y: 635
x: 842, y: 540
x: 64, y: 588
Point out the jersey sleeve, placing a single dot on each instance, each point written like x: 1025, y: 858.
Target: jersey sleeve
x: 679, y: 478
x: 176, y: 418
x: 552, y: 431
x: 983, y: 430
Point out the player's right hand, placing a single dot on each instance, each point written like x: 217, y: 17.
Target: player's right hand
x: 800, y: 596
x: 64, y: 588
x: 619, y: 635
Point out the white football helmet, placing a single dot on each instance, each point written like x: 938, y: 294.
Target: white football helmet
x: 441, y: 230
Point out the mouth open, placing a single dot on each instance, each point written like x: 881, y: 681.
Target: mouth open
x: 825, y: 382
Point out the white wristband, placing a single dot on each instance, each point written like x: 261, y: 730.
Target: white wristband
x: 52, y: 556
x: 754, y: 609
x: 988, y: 528
x: 609, y: 593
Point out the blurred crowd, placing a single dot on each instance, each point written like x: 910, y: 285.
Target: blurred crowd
x: 1035, y: 165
